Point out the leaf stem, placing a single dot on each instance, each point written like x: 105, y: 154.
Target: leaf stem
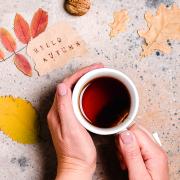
x: 15, y: 52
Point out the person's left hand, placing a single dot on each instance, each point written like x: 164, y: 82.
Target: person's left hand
x: 76, y: 153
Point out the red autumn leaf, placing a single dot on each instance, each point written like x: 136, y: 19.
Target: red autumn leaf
x: 7, y: 40
x: 21, y: 29
x: 1, y: 55
x: 39, y: 22
x: 22, y: 64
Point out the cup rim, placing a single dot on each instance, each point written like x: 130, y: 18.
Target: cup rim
x: 106, y: 72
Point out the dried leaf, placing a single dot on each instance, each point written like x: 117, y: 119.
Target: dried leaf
x: 7, y: 40
x: 161, y: 27
x: 39, y: 22
x: 120, y: 21
x: 1, y: 55
x: 22, y: 64
x: 18, y: 120
x: 21, y: 29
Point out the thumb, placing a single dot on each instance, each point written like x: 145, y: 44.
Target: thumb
x: 64, y: 106
x: 132, y: 156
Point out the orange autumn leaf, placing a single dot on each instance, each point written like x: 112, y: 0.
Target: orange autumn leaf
x: 7, y: 40
x: 1, y: 55
x: 39, y: 22
x: 22, y: 64
x: 21, y: 29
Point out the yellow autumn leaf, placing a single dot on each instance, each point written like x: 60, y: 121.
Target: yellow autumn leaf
x: 18, y: 120
x: 119, y: 24
x: 163, y: 26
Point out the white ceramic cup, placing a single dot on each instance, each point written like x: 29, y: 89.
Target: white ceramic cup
x: 106, y: 72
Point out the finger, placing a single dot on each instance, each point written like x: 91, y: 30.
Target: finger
x: 149, y: 134
x: 70, y: 81
x: 65, y: 110
x: 132, y: 156
x: 155, y: 158
x: 122, y: 162
x: 53, y: 119
x: 53, y: 122
x: 145, y: 130
x: 149, y: 149
x: 54, y: 127
x: 119, y: 154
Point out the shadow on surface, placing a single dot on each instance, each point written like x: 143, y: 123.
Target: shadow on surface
x: 46, y: 145
x: 107, y: 153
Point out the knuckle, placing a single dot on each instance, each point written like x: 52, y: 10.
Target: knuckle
x: 49, y: 116
x: 65, y: 80
x: 57, y: 90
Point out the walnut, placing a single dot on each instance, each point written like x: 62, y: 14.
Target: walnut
x: 77, y: 7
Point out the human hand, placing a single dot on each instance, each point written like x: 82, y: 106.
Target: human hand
x: 76, y: 153
x: 143, y: 158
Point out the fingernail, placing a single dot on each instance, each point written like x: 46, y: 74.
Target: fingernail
x: 62, y: 90
x: 126, y: 137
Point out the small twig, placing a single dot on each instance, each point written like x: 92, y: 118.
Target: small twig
x: 15, y: 52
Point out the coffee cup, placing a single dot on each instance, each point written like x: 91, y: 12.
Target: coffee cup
x: 108, y: 73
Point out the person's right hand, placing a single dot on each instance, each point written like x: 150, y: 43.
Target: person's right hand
x: 143, y: 158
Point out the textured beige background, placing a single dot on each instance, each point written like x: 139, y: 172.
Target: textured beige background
x: 156, y: 77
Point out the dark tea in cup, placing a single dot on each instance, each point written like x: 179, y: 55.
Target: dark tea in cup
x: 105, y: 102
